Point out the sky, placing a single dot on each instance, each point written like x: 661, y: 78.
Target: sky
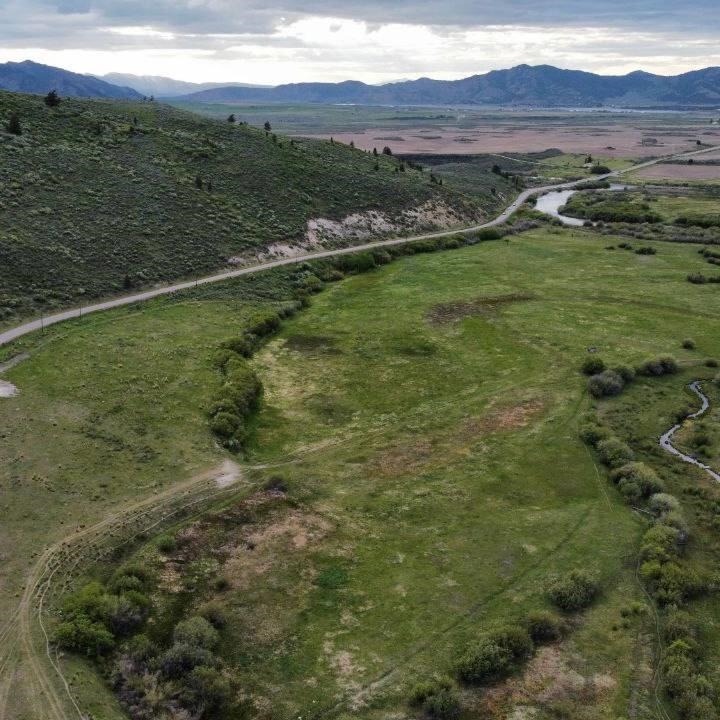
x: 280, y: 41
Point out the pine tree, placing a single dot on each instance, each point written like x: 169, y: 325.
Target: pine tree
x: 52, y: 99
x: 13, y: 125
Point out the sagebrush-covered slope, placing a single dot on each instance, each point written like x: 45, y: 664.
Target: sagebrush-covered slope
x: 99, y: 196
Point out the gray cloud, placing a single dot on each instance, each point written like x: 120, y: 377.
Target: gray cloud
x: 43, y: 20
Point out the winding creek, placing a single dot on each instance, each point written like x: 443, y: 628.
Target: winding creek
x: 666, y: 439
x: 551, y: 202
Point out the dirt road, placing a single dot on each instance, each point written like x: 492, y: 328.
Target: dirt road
x: 9, y: 335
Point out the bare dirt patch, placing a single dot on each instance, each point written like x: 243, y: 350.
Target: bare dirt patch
x: 620, y: 140
x: 402, y: 459
x: 674, y: 171
x: 548, y: 679
x: 454, y: 311
x: 505, y: 418
x: 358, y: 227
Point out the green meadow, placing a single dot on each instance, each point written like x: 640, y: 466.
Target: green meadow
x: 415, y: 475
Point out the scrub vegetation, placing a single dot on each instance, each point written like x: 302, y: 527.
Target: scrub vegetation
x: 103, y: 197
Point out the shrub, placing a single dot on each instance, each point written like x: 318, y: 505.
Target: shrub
x: 625, y: 372
x: 646, y: 251
x: 181, y: 659
x: 444, y: 705
x: 196, y: 632
x: 614, y: 453
x: 215, y: 614
x: 688, y: 344
x: 127, y: 612
x: 640, y: 475
x: 484, y: 663
x: 85, y: 636
x: 593, y: 366
x: 438, y: 700
x: 659, y: 543
x: 495, y: 655
x: 207, y: 689
x: 711, y: 363
x: 658, y: 367
x: 573, y: 591
x: 662, y: 503
x: 166, y: 543
x: 544, y: 626
x: 606, y: 384
x: 422, y: 691
x: 592, y: 434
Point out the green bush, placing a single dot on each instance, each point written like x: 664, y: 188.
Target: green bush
x: 662, y: 503
x: 658, y: 367
x: 196, y: 632
x: 637, y: 480
x: 626, y: 373
x: 484, y: 663
x: 166, y: 543
x: 438, y: 700
x: 593, y: 366
x: 444, y: 705
x: 688, y: 344
x: 85, y: 637
x: 181, y: 659
x: 591, y: 434
x: 544, y: 626
x: 496, y: 655
x: 614, y: 453
x: 659, y: 543
x: 606, y: 384
x: 573, y: 591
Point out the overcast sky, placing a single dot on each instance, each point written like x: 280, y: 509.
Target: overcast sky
x: 277, y: 41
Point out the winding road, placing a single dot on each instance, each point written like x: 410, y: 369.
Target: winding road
x: 11, y: 334
x: 666, y: 439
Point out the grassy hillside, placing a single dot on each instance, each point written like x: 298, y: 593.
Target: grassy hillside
x: 98, y: 197
x: 422, y: 474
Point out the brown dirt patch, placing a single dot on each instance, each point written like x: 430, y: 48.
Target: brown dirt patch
x: 403, y: 459
x: 547, y: 680
x: 460, y: 309
x: 680, y: 172
x: 618, y: 140
x: 505, y: 418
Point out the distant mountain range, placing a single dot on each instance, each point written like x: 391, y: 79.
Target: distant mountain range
x: 522, y: 86
x: 167, y: 87
x: 31, y: 77
x: 543, y: 85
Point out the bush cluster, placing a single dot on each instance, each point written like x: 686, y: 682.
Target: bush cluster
x: 495, y: 656
x: 665, y: 365
x: 96, y: 618
x: 636, y: 481
x: 604, y: 381
x: 437, y: 700
x: 573, y: 591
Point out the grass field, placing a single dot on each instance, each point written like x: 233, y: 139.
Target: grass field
x: 421, y: 421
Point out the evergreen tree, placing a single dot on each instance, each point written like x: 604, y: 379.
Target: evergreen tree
x: 13, y: 125
x: 52, y: 99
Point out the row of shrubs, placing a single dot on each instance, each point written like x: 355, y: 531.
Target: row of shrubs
x: 670, y: 582
x: 606, y: 382
x: 241, y: 392
x: 700, y: 279
x: 494, y: 657
x: 503, y: 651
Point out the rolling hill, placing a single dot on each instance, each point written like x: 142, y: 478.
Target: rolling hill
x: 165, y: 87
x: 523, y: 85
x: 31, y: 77
x: 102, y: 196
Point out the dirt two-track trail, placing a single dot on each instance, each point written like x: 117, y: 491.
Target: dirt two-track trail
x: 26, y: 654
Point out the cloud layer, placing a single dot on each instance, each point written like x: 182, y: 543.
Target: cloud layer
x: 377, y: 40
